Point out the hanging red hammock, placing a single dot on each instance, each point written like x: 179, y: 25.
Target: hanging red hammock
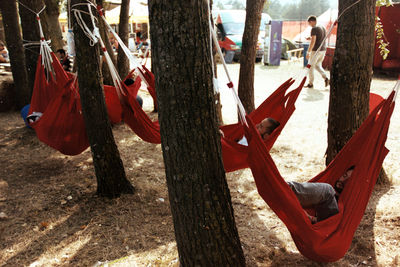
x: 61, y: 126
x: 327, y: 240
x: 280, y: 106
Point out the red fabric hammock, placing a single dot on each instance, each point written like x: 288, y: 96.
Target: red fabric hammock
x: 280, y: 106
x: 328, y: 240
x: 61, y: 126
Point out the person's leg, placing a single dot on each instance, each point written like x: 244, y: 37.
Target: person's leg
x: 320, y: 69
x: 311, y: 73
x: 328, y: 206
x: 318, y: 65
x: 320, y: 196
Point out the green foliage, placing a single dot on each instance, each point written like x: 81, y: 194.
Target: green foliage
x: 380, y: 34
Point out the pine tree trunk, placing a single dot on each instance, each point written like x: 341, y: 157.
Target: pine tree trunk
x: 107, y: 78
x: 248, y: 53
x: 53, y: 25
x: 351, y: 73
x: 123, y: 32
x: 17, y: 56
x: 217, y: 96
x: 30, y: 32
x: 200, y: 201
x: 111, y: 179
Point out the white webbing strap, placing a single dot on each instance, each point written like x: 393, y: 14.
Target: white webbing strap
x: 127, y: 52
x: 95, y: 37
x: 241, y: 110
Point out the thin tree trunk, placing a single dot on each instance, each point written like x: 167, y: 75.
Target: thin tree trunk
x: 200, y: 201
x: 217, y: 96
x: 107, y: 78
x: 111, y: 179
x: 123, y: 32
x: 54, y: 29
x: 17, y: 56
x: 30, y: 32
x: 351, y: 74
x: 248, y: 53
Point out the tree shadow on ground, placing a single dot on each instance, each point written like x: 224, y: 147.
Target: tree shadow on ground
x: 56, y: 218
x: 313, y: 95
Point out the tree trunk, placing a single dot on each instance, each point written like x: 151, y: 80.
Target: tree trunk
x: 200, y: 201
x: 248, y: 53
x: 351, y: 74
x: 111, y: 179
x: 30, y: 32
x: 107, y: 78
x: 217, y: 96
x: 17, y: 57
x: 54, y: 29
x: 123, y: 32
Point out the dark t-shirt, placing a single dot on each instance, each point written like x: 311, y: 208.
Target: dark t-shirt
x: 320, y: 33
x: 66, y: 63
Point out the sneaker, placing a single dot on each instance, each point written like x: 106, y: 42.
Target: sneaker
x: 309, y: 86
x: 326, y: 82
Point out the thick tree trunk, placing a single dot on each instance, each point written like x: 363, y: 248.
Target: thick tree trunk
x: 111, y: 179
x: 123, y: 32
x: 248, y: 53
x: 17, y: 56
x: 107, y: 78
x: 53, y: 25
x: 30, y: 32
x: 351, y: 73
x: 200, y: 201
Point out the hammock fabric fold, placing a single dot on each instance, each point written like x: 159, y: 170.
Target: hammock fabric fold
x: 328, y: 240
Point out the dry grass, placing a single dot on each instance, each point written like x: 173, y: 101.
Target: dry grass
x: 55, y: 218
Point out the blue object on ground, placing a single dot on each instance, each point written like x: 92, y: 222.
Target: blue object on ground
x: 24, y: 114
x: 305, y: 46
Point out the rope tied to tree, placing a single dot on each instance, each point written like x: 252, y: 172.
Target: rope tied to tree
x: 45, y: 50
x: 94, y: 38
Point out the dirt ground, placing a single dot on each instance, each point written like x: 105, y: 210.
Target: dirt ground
x: 50, y: 215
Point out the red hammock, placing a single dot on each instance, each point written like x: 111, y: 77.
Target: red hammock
x: 328, y: 240
x: 280, y: 106
x: 62, y: 126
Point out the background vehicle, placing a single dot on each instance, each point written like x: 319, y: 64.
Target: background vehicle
x: 230, y: 25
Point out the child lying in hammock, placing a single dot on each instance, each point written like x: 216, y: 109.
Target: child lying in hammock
x: 265, y: 128
x: 320, y: 196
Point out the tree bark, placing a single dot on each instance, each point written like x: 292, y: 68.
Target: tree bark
x: 351, y: 74
x: 107, y: 78
x: 111, y: 179
x: 30, y: 32
x: 53, y: 25
x: 200, y: 201
x: 123, y: 32
x: 17, y: 56
x: 248, y: 53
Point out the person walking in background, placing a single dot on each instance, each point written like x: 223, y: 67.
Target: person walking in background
x: 317, y: 38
